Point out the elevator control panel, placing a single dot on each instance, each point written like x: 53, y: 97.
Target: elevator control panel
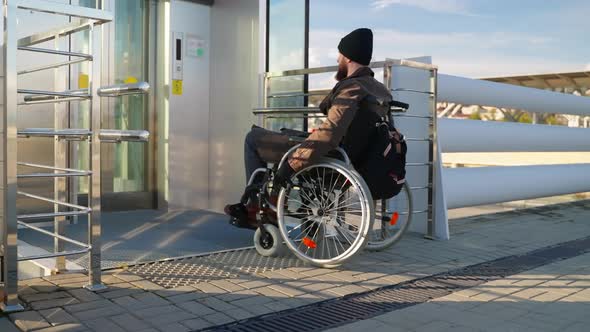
x: 177, y: 48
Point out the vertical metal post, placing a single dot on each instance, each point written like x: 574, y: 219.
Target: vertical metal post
x: 387, y: 72
x: 9, y: 236
x: 265, y: 94
x: 433, y: 158
x: 60, y: 160
x: 94, y: 190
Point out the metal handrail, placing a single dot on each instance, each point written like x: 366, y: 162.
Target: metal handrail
x: 53, y: 93
x: 53, y: 100
x: 98, y: 15
x: 66, y: 172
x: 124, y: 89
x: 56, y: 254
x: 61, y: 237
x: 52, y: 66
x: 53, y: 201
x: 50, y: 51
x: 52, y: 215
x: 62, y: 31
x: 377, y: 64
x: 43, y: 97
x: 76, y: 134
x: 117, y: 136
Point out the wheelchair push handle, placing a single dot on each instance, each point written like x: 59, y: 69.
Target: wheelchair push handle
x: 398, y: 106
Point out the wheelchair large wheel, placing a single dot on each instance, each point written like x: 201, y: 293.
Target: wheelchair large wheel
x: 391, y: 222
x: 324, y: 217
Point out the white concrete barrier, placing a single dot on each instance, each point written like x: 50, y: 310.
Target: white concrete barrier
x: 492, y: 136
x: 468, y: 91
x: 489, y: 185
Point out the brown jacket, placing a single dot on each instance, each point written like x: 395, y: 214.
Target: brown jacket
x: 352, y: 108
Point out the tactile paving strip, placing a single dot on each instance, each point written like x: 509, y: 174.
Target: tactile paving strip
x: 337, y: 312
x: 189, y: 271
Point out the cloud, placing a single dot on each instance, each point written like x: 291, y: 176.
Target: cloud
x: 471, y: 54
x: 587, y: 67
x: 436, y: 6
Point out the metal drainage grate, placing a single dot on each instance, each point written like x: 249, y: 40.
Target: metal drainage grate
x: 231, y: 264
x: 333, y: 313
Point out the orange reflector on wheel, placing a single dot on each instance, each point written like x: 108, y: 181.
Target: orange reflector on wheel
x: 394, y: 218
x: 309, y: 243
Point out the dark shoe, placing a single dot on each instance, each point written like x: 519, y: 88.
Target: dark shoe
x: 241, y: 216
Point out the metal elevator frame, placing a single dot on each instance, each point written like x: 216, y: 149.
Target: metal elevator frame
x: 86, y: 19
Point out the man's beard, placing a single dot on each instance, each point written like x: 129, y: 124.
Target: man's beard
x: 342, y: 72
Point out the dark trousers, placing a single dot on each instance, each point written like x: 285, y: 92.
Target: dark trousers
x: 263, y: 146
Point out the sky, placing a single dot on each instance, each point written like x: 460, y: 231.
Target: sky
x: 472, y: 38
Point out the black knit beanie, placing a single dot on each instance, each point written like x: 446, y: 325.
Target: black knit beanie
x: 358, y: 46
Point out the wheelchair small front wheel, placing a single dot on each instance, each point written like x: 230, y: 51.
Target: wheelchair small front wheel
x: 270, y: 242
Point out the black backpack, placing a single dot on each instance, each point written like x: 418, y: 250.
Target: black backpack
x: 384, y: 169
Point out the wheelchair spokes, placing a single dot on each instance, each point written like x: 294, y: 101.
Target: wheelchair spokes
x: 323, y: 215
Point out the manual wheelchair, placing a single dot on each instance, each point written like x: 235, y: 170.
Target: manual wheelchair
x: 326, y: 213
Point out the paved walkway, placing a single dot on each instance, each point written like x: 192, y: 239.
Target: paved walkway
x: 202, y: 292
x: 555, y: 297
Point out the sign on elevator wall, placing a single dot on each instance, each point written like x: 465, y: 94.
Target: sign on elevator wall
x: 177, y: 66
x: 195, y: 46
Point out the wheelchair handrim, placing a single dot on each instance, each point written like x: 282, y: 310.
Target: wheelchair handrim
x: 367, y: 215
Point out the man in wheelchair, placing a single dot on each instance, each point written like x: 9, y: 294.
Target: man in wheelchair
x: 353, y: 107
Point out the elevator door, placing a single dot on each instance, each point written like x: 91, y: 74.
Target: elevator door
x: 126, y: 181
x: 189, y: 105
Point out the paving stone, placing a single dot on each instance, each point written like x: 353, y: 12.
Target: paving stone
x: 43, y: 296
x: 256, y: 283
x: 197, y: 324
x: 239, y: 314
x: 270, y: 293
x: 57, y: 316
x: 175, y: 291
x: 155, y: 311
x: 69, y: 327
x: 346, y: 290
x: 39, y: 305
x: 129, y: 322
x: 188, y: 297
x: 128, y: 276
x: 217, y: 304
x: 150, y: 299
x: 88, y: 306
x: 209, y: 288
x: 84, y: 295
x: 103, y: 325
x: 234, y: 296
x: 106, y: 311
x: 196, y: 308
x: 170, y: 318
x: 44, y: 287
x: 287, y: 289
x: 147, y: 285
x: 219, y: 318
x: 7, y: 326
x: 227, y: 285
x: 29, y: 320
x: 65, y: 276
x: 176, y: 327
x: 120, y: 293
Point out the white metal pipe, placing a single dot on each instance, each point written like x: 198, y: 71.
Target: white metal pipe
x: 468, y: 91
x: 489, y: 185
x: 491, y: 136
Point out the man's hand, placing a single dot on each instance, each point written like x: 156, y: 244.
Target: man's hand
x: 282, y: 178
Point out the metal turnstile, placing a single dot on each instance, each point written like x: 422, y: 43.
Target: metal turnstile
x: 65, y: 205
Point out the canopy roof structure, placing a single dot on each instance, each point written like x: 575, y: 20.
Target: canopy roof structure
x: 574, y: 80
